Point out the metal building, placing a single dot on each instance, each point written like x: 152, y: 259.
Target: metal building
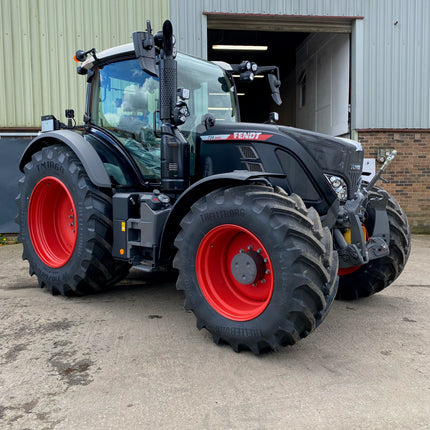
x: 390, y: 45
x: 354, y: 68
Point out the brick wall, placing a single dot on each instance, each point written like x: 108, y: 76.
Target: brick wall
x: 409, y: 173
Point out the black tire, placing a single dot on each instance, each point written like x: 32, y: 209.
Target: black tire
x: 69, y: 254
x: 289, y: 301
x: 380, y: 273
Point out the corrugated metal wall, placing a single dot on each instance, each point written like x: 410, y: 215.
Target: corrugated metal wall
x: 390, y: 50
x: 396, y: 64
x: 37, y: 44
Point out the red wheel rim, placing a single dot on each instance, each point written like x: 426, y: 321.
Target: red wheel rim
x: 347, y: 270
x: 52, y: 222
x: 218, y: 251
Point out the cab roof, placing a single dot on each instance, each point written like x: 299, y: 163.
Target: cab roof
x: 116, y: 51
x: 128, y: 49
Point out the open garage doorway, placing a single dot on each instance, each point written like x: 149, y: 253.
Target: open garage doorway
x: 313, y: 56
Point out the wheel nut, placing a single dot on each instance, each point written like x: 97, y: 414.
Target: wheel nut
x: 267, y: 272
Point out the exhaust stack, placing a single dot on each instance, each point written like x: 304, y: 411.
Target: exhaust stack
x: 175, y: 149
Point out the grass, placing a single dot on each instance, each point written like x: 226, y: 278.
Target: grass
x: 8, y: 239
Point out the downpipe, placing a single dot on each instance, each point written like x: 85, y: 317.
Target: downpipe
x: 362, y: 249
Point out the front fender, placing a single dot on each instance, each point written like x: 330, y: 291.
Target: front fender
x: 198, y: 190
x: 87, y: 155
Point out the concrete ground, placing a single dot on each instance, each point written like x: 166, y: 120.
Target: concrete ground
x: 133, y: 359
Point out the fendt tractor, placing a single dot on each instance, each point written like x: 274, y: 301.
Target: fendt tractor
x: 265, y: 225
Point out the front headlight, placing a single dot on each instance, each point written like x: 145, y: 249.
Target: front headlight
x: 339, y: 187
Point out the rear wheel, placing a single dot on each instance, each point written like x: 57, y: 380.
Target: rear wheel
x: 257, y: 268
x: 66, y: 225
x: 378, y: 274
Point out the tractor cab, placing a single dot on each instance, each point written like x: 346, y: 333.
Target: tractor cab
x: 124, y: 101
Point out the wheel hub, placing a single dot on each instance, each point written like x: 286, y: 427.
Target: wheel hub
x: 248, y: 267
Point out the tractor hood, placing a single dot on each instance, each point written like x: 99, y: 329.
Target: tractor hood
x: 279, y: 149
x: 335, y: 156
x: 340, y: 154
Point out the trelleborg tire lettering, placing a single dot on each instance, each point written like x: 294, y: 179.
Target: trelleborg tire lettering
x: 293, y: 277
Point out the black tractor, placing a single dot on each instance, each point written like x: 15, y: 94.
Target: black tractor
x: 265, y: 225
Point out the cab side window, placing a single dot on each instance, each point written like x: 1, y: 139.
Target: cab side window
x: 124, y: 101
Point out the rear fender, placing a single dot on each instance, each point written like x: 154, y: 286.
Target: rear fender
x: 87, y: 155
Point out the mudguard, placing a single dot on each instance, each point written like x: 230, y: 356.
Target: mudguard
x: 198, y: 190
x: 84, y: 151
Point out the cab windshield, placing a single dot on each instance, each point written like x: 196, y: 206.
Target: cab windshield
x: 125, y: 101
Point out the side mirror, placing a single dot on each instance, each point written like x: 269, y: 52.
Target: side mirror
x: 275, y: 83
x: 144, y: 48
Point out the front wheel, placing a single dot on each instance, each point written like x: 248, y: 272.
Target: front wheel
x: 257, y: 268
x: 66, y: 225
